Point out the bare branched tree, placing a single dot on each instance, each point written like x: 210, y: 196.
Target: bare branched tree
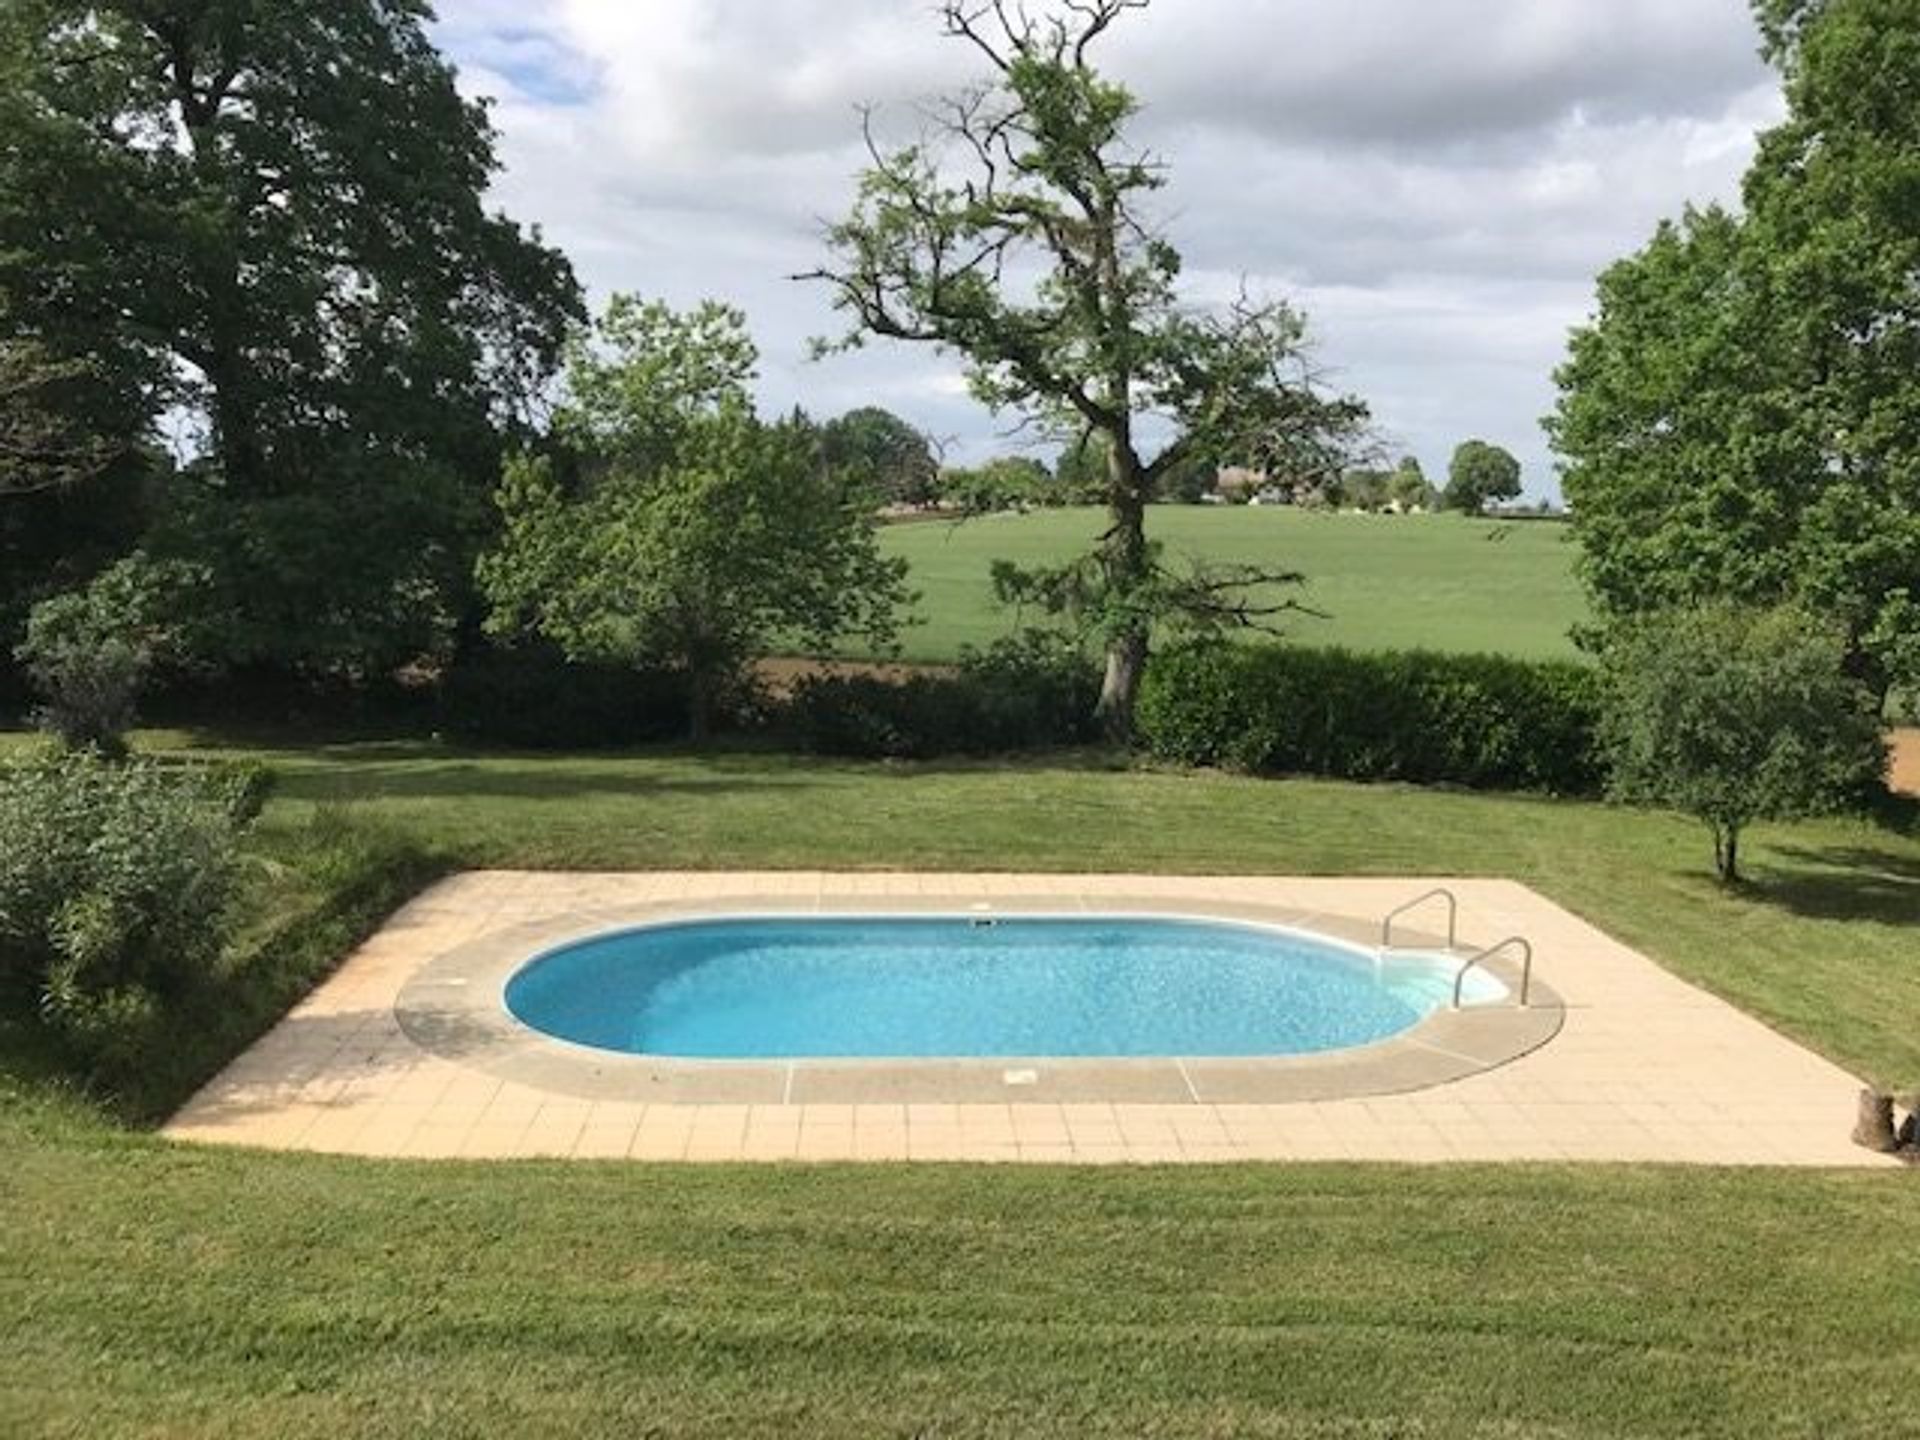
x: 1017, y: 235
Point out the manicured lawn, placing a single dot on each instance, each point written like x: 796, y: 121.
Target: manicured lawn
x: 147, y: 1289
x: 1384, y: 582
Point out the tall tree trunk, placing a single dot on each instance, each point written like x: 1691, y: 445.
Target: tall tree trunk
x: 1125, y: 559
x: 702, y: 692
x: 1126, y: 663
x: 223, y: 350
x: 1726, y: 852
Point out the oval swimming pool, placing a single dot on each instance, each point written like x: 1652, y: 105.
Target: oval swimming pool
x: 960, y: 986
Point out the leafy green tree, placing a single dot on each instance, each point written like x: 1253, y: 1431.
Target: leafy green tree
x: 677, y: 528
x: 1410, y: 488
x: 1016, y: 235
x: 267, y: 220
x: 90, y: 652
x: 1479, y: 475
x: 1366, y: 489
x: 646, y: 374
x: 1735, y: 716
x: 1741, y: 418
x: 1080, y: 474
x: 885, y: 453
x: 75, y: 478
x: 1006, y: 482
x: 46, y: 442
x: 1189, y: 481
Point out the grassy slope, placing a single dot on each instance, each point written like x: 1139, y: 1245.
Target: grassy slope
x: 146, y: 1289
x: 158, y: 1292
x: 1385, y: 582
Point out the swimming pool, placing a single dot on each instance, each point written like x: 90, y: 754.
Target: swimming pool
x: 967, y: 986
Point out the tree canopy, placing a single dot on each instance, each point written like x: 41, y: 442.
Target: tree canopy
x: 1017, y: 235
x: 266, y: 222
x: 46, y: 442
x: 673, y: 527
x: 1735, y: 716
x: 1479, y: 475
x: 885, y: 453
x: 1410, y: 488
x: 1741, y: 417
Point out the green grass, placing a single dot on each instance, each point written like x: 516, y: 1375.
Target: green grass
x: 1384, y: 582
x: 147, y: 1289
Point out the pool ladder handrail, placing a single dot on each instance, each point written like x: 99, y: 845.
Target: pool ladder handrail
x: 1439, y: 892
x: 1478, y: 957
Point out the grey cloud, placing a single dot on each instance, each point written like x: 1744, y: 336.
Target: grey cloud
x: 1436, y: 183
x: 1413, y: 77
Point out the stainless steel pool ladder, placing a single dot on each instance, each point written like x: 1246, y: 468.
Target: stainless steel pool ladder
x: 1437, y: 893
x: 1526, y: 965
x: 1440, y: 892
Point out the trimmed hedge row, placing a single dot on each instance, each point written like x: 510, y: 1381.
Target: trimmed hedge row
x: 1482, y: 721
x: 532, y: 697
x: 1027, y: 693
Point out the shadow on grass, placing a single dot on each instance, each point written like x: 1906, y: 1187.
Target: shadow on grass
x: 426, y: 771
x: 518, y: 779
x: 1843, y: 883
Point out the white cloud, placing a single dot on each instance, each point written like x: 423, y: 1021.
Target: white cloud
x: 1437, y: 184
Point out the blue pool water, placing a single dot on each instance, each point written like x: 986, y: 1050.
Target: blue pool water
x: 894, y: 987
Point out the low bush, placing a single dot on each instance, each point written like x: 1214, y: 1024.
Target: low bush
x: 89, y: 653
x: 531, y: 696
x: 1029, y: 692
x: 1482, y: 721
x: 319, y: 888
x: 1735, y: 715
x: 116, y: 884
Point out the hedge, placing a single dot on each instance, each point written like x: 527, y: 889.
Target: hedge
x: 1483, y: 721
x: 1029, y: 692
x: 533, y: 697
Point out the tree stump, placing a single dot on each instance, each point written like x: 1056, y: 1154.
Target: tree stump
x: 1873, y: 1129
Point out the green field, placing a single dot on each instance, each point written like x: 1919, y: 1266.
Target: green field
x: 148, y: 1289
x: 1383, y: 582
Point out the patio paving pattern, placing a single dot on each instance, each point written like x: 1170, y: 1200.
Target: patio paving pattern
x: 1644, y: 1067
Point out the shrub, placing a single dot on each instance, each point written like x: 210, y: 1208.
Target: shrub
x: 1477, y: 720
x: 530, y: 695
x: 90, y: 652
x: 1031, y: 691
x: 1735, y: 715
x: 115, y: 887
x: 242, y: 787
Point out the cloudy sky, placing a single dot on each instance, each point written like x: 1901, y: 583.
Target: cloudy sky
x: 1435, y: 181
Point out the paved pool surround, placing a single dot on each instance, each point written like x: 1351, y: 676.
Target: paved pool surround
x: 408, y: 1050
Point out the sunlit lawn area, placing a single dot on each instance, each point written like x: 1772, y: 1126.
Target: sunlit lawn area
x: 1379, y: 582
x: 149, y: 1289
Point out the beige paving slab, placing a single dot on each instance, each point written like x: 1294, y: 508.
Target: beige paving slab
x: 1643, y: 1067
